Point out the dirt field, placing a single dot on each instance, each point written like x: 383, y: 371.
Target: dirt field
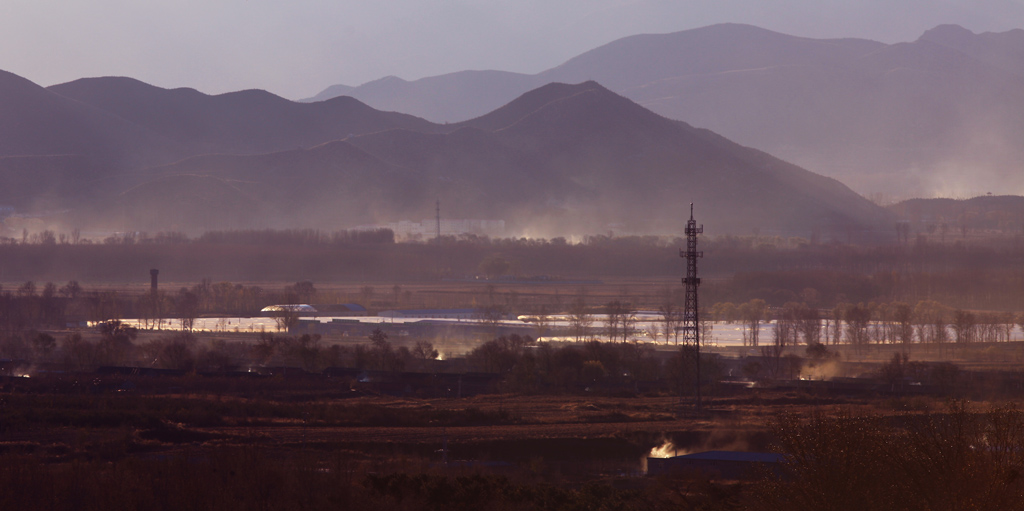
x: 287, y: 417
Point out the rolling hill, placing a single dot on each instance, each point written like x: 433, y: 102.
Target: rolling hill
x: 36, y: 122
x: 559, y: 160
x: 244, y: 122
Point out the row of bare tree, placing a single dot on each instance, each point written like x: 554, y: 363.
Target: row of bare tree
x: 860, y: 324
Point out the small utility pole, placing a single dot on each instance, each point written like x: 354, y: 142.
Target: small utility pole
x: 691, y: 319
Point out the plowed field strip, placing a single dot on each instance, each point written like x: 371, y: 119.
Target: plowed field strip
x: 429, y: 434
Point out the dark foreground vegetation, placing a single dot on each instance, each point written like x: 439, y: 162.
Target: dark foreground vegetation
x: 280, y: 445
x: 248, y: 479
x: 556, y: 426
x: 956, y: 459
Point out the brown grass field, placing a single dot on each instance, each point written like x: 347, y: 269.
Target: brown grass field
x: 314, y: 436
x: 181, y: 435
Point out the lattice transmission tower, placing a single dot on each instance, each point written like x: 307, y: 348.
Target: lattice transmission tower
x: 691, y: 312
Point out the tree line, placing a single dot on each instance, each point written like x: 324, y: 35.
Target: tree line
x: 525, y: 365
x: 776, y: 269
x: 49, y: 306
x: 861, y: 324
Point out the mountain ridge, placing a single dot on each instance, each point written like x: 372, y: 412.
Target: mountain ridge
x: 242, y: 122
x: 557, y: 160
x: 903, y: 119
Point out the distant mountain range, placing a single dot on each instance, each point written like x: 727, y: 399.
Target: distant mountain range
x: 943, y: 115
x: 72, y: 142
x: 557, y: 160
x: 244, y: 122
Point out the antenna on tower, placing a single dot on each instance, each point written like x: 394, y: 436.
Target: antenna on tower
x: 438, y: 220
x: 691, y: 318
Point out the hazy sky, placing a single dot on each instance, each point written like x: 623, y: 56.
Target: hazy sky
x: 297, y: 48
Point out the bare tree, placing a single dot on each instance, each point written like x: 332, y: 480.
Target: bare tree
x: 303, y: 291
x: 724, y: 311
x: 70, y: 290
x: 611, y: 320
x: 617, y: 322
x: 627, y: 321
x: 541, y: 320
x: 706, y: 326
x: 810, y: 325
x: 669, y: 320
x: 753, y: 313
x: 579, y: 318
x: 186, y: 305
x: 903, y: 317
x: 787, y: 323
x: 964, y: 326
x: 837, y: 321
x: 857, y: 318
x: 424, y: 351
x: 1007, y: 320
x: 385, y: 358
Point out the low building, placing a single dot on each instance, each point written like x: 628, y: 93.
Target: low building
x: 302, y: 310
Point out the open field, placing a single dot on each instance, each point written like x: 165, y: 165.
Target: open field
x: 556, y: 425
x: 329, y: 444
x: 319, y: 418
